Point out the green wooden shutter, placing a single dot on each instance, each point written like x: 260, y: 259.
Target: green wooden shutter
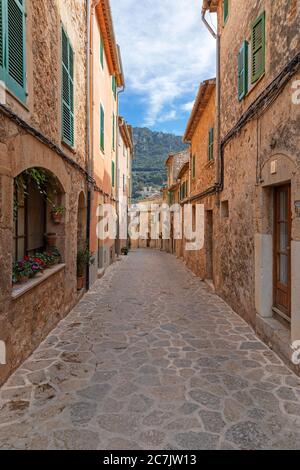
x: 102, y: 129
x: 101, y: 52
x: 114, y: 86
x: 67, y: 91
x: 243, y: 71
x: 194, y: 166
x: 113, y: 173
x: 12, y: 48
x: 113, y: 131
x: 225, y: 10
x: 211, y: 144
x: 258, y: 48
x: 1, y: 41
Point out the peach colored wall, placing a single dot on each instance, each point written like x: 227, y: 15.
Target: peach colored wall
x: 102, y: 94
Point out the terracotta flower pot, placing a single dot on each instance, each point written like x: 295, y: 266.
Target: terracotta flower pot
x: 51, y: 239
x: 56, y: 217
x: 80, y: 282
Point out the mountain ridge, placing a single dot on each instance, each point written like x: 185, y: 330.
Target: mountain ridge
x: 151, y: 149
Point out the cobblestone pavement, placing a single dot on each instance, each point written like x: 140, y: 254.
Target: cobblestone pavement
x: 150, y: 358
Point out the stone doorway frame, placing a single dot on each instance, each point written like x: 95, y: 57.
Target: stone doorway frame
x: 279, y: 169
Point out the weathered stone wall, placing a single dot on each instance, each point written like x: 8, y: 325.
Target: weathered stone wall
x: 25, y: 322
x: 43, y: 70
x: 205, y: 169
x: 282, y: 44
x: 276, y: 131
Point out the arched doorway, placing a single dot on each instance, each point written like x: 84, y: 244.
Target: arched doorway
x: 81, y: 222
x: 39, y: 210
x: 82, y: 247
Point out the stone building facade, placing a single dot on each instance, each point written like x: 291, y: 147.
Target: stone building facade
x: 125, y: 157
x: 145, y: 224
x: 256, y: 221
x: 201, y: 135
x: 177, y: 191
x: 107, y: 81
x: 245, y: 167
x: 44, y: 75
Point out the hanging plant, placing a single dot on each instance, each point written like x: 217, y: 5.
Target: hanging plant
x: 41, y: 179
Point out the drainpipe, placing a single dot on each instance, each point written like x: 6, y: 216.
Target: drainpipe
x: 88, y: 130
x: 119, y: 91
x: 219, y: 163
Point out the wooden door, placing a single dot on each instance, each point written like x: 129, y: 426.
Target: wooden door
x: 282, y: 249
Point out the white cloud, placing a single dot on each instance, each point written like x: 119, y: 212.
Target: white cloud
x: 188, y: 106
x: 166, y: 52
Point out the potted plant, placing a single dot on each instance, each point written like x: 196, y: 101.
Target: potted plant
x: 84, y: 259
x: 22, y: 271
x: 124, y: 251
x: 57, y: 214
x: 54, y: 252
x: 51, y: 239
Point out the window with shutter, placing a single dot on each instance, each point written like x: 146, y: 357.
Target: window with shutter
x: 1, y: 41
x: 114, y: 86
x: 113, y: 130
x: 12, y: 46
x: 101, y: 52
x: 67, y: 90
x: 225, y: 10
x: 258, y: 48
x: 194, y: 166
x: 113, y: 173
x: 211, y: 144
x: 102, y: 117
x: 243, y: 71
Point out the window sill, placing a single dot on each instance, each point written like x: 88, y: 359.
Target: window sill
x: 209, y: 163
x: 12, y: 95
x: 21, y: 289
x: 72, y: 149
x: 253, y: 87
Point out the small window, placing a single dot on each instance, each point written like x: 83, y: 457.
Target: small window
x: 194, y: 166
x: 113, y: 131
x: 211, y: 144
x: 225, y: 10
x: 258, y: 48
x: 194, y: 218
x: 113, y: 174
x: 101, y: 52
x: 224, y: 209
x: 114, y: 86
x: 243, y: 71
x: 102, y: 117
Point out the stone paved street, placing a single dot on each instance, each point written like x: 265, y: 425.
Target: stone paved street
x: 151, y: 359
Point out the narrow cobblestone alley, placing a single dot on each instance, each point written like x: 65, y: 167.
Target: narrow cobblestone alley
x: 151, y: 359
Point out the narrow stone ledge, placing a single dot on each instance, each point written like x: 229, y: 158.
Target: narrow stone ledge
x: 21, y: 289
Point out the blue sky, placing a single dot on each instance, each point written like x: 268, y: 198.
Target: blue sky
x: 166, y: 53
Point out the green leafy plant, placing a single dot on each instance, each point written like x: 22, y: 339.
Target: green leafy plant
x: 41, y: 179
x: 58, y: 210
x: 84, y: 258
x: 124, y: 250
